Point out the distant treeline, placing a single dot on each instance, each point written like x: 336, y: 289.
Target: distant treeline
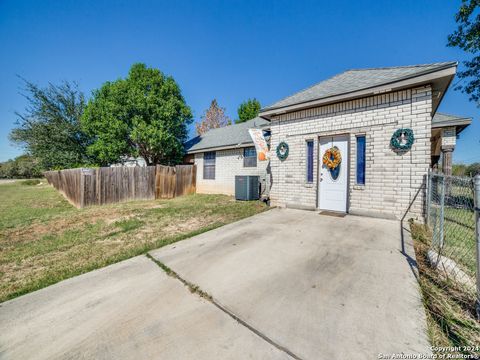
x: 466, y: 170
x: 22, y: 167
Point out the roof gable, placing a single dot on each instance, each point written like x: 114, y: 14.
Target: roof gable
x: 355, y: 80
x: 227, y: 136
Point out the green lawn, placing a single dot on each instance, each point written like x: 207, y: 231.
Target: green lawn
x: 459, y: 235
x: 43, y: 239
x: 460, y: 238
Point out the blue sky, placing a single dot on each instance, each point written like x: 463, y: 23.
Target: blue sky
x: 229, y: 50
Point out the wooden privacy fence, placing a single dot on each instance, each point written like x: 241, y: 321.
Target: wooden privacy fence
x: 85, y: 187
x: 174, y: 181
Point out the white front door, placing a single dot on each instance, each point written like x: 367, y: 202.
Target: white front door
x: 332, y: 185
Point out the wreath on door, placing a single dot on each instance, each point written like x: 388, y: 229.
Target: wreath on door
x: 332, y: 158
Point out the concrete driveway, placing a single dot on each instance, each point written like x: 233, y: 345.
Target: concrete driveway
x: 323, y: 287
x: 130, y: 310
x: 284, y: 284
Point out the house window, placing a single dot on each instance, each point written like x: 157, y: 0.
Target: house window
x: 209, y: 165
x: 310, y: 161
x: 249, y: 157
x: 361, y: 147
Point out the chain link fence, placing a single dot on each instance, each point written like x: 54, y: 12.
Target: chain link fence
x: 453, y: 253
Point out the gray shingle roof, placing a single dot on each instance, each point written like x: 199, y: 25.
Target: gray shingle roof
x: 442, y: 120
x: 359, y: 79
x: 231, y: 135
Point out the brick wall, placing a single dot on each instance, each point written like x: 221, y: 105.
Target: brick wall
x: 228, y: 163
x: 392, y: 180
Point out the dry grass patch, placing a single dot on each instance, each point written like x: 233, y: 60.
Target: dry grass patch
x: 52, y: 241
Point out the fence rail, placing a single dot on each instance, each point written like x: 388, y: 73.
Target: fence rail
x: 106, y: 185
x: 453, y: 217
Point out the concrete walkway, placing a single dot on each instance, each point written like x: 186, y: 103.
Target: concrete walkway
x: 285, y: 284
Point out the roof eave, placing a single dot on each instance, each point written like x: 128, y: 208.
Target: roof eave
x: 460, y: 124
x: 419, y: 79
x: 223, y: 147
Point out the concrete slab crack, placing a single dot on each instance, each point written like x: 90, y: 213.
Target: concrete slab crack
x: 197, y: 290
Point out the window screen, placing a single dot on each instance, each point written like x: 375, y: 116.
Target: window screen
x: 209, y: 165
x: 249, y: 157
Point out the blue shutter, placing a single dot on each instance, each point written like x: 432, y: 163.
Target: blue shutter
x: 309, y: 161
x: 361, y: 146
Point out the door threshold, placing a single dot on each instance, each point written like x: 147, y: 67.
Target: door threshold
x: 332, y: 213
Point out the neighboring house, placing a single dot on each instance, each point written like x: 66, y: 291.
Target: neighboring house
x: 222, y: 153
x: 356, y: 112
x: 130, y: 162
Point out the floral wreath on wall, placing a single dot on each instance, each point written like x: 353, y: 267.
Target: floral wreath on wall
x: 332, y: 158
x: 402, y: 139
x: 282, y: 150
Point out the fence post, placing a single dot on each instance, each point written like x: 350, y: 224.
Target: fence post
x: 429, y: 195
x: 81, y: 202
x: 442, y: 214
x: 476, y: 192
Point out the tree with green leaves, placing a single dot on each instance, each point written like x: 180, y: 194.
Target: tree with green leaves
x: 143, y: 115
x: 22, y: 167
x: 473, y: 169
x: 248, y: 110
x: 49, y: 129
x: 459, y: 169
x: 466, y: 170
x: 214, y: 117
x: 467, y: 38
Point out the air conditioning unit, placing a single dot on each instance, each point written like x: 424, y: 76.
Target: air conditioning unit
x: 247, y: 187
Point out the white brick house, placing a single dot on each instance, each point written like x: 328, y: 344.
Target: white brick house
x: 357, y: 112
x: 232, y: 152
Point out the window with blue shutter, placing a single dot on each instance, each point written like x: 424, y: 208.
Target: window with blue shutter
x: 361, y: 147
x: 310, y: 161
